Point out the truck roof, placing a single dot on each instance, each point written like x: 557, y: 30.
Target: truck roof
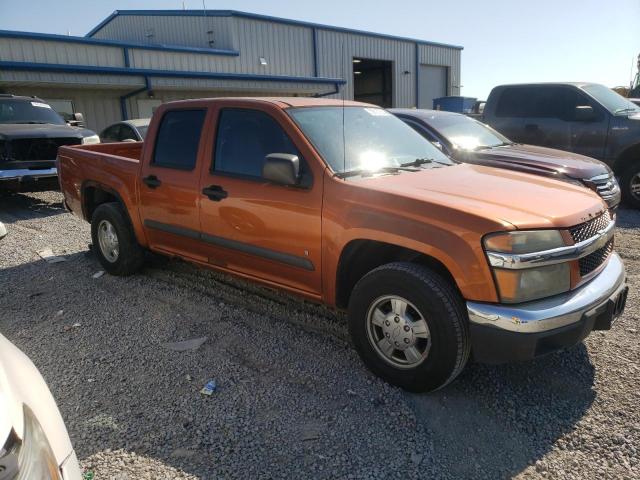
x: 423, y: 112
x: 283, y: 102
x: 536, y: 84
x: 20, y: 97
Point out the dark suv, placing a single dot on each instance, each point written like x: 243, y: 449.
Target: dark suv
x: 585, y: 118
x: 30, y: 134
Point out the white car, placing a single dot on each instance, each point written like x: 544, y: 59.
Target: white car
x: 34, y: 443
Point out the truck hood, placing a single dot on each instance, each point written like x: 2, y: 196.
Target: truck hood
x: 505, y: 196
x: 10, y: 131
x: 540, y: 160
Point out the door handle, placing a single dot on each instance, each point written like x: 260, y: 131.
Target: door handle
x: 531, y: 127
x: 151, y: 181
x: 215, y: 192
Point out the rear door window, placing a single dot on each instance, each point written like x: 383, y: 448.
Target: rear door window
x: 532, y: 102
x: 538, y: 102
x: 178, y: 139
x: 110, y: 134
x: 513, y: 102
x: 245, y: 137
x: 127, y: 133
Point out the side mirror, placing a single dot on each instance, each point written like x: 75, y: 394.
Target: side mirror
x: 281, y: 168
x: 77, y: 120
x: 584, y: 113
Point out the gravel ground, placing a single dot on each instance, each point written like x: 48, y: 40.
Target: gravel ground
x: 293, y: 399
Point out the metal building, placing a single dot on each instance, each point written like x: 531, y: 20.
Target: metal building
x: 136, y: 59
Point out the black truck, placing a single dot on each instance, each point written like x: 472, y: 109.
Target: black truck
x: 30, y: 134
x: 585, y: 118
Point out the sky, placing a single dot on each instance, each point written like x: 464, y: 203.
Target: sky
x: 504, y: 41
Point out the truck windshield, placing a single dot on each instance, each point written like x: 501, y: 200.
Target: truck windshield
x: 615, y: 103
x: 28, y: 111
x: 352, y: 139
x: 464, y: 132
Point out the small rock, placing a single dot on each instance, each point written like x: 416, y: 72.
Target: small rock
x: 184, y: 345
x: 182, y: 453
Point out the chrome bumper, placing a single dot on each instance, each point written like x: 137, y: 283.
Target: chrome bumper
x: 26, y: 174
x: 555, y: 312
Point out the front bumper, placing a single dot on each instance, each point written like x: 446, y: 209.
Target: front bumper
x: 502, y: 333
x: 26, y: 174
x: 28, y: 180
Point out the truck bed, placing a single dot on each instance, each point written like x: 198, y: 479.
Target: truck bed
x: 111, y: 165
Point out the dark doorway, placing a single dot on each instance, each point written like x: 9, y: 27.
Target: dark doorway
x: 372, y: 82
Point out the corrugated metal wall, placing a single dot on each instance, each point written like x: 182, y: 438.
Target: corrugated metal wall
x: 45, y: 51
x: 287, y: 48
x: 170, y: 30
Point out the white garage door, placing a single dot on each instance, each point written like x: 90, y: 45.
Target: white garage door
x: 433, y: 84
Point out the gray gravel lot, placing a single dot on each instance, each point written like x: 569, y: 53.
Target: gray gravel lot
x: 293, y: 399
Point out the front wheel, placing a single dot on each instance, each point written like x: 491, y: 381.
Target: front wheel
x: 409, y: 326
x: 630, y: 184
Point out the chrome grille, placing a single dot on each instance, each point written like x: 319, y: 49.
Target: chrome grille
x: 589, y: 229
x: 592, y: 261
x: 604, y: 185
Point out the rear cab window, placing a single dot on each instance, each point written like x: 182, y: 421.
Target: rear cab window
x: 178, y: 139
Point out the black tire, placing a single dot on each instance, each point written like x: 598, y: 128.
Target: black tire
x: 130, y: 256
x: 631, y: 172
x: 436, y: 301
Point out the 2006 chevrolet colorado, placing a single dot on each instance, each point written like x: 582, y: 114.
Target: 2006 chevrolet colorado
x: 346, y: 205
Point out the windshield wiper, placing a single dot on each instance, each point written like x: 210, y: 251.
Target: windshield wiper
x: 422, y: 161
x: 417, y: 162
x: 30, y: 122
x: 368, y: 173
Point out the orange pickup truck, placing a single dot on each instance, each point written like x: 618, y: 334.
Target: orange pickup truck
x: 343, y: 203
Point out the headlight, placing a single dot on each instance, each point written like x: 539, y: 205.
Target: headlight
x: 523, y: 242
x: 517, y: 286
x: 32, y: 457
x: 527, y: 283
x: 90, y: 140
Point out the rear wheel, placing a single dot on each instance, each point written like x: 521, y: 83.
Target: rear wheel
x: 114, y: 241
x: 409, y: 326
x: 630, y: 181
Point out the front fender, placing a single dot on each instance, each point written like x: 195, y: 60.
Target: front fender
x: 460, y: 253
